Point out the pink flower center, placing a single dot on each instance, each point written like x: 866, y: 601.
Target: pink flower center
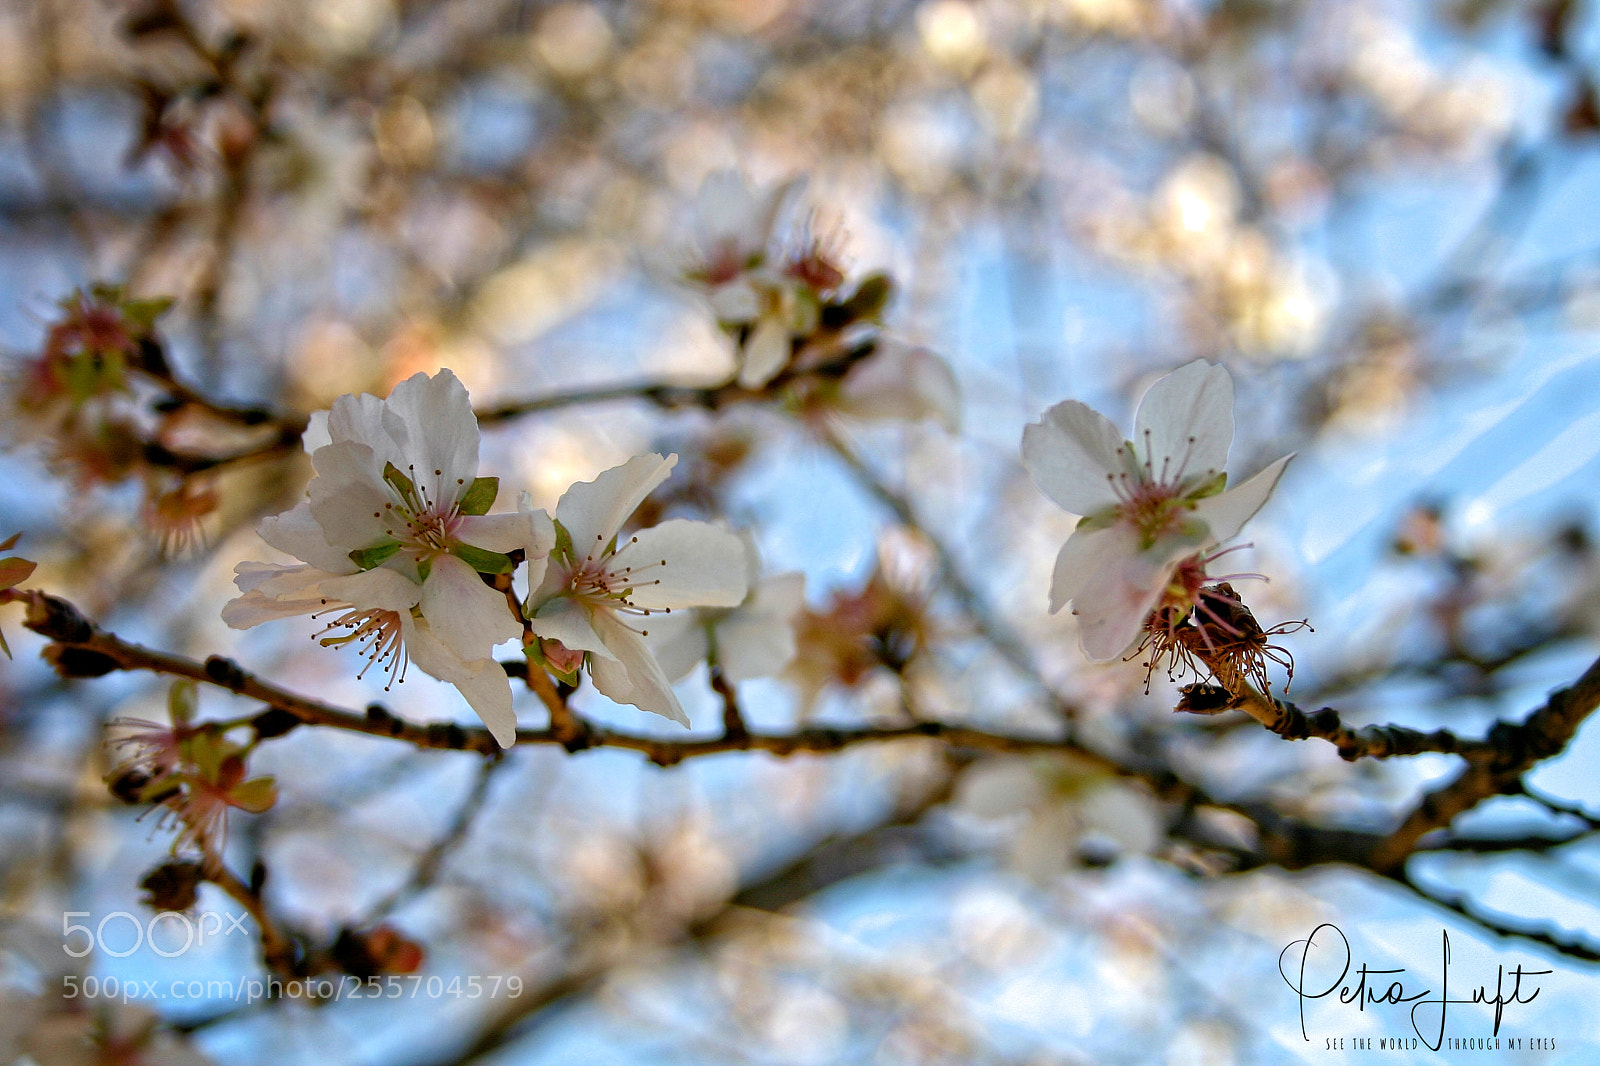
x: 425, y: 526
x: 376, y: 634
x: 597, y: 582
x: 1153, y: 500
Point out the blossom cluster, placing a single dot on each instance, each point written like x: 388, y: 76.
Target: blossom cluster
x: 401, y: 556
x: 783, y: 294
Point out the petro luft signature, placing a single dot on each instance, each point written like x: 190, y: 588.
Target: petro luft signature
x: 1333, y: 950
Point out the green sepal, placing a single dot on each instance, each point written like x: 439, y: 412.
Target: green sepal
x: 870, y: 298
x: 1211, y: 486
x: 479, y: 496
x: 256, y: 795
x: 207, y: 751
x: 1099, y: 520
x: 370, y: 558
x: 145, y: 312
x: 424, y: 568
x: 534, y: 653
x: 482, y: 560
x: 399, y: 482
x: 183, y: 699
x: 14, y: 571
x: 563, y: 539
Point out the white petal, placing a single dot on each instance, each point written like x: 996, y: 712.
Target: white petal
x: 682, y: 563
x: 358, y: 418
x: 297, y: 533
x: 381, y: 589
x: 469, y: 617
x: 753, y: 644
x: 441, y: 434
x: 1085, y: 554
x: 725, y: 210
x: 593, y: 511
x: 766, y: 352
x: 271, y: 592
x: 482, y: 681
x: 571, y: 623
x: 1227, y: 513
x: 780, y: 596
x: 352, y: 507
x: 1186, y: 420
x: 250, y: 574
x: 736, y: 301
x: 633, y: 676
x: 1113, y: 605
x: 1071, y: 453
x: 678, y: 642
x: 316, y: 434
x: 530, y: 531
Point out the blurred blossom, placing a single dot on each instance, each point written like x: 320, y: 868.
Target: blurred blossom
x: 95, y: 1033
x: 572, y: 39
x: 528, y: 298
x: 1162, y: 95
x: 1131, y: 18
x: 754, y: 639
x: 952, y: 32
x: 923, y: 141
x: 1197, y: 203
x: 900, y: 382
x: 349, y: 25
x: 1008, y: 97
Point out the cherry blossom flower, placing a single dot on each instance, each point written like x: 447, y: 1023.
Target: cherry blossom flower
x: 597, y: 589
x: 753, y: 287
x: 754, y: 639
x: 1147, y: 504
x: 394, y: 536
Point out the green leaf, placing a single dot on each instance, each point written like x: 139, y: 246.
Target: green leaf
x: 368, y: 558
x: 399, y: 482
x: 256, y: 795
x: 183, y: 699
x: 479, y: 496
x: 482, y: 560
x: 4, y: 646
x: 563, y: 539
x: 10, y: 542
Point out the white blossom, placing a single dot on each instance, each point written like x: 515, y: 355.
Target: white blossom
x: 1147, y: 503
x: 737, y: 265
x: 393, y: 538
x: 599, y: 594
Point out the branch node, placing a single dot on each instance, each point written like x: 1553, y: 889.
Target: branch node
x: 225, y: 672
